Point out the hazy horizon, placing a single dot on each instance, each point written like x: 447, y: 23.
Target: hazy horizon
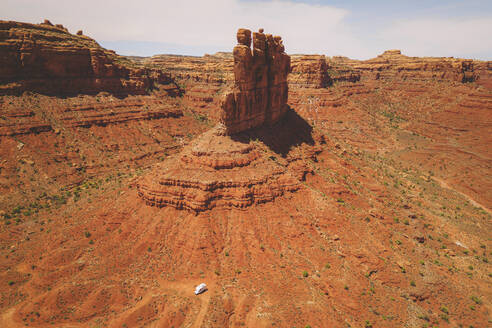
x: 355, y: 29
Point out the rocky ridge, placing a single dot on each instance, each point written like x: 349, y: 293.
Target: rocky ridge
x: 319, y: 71
x: 46, y: 58
x: 393, y: 65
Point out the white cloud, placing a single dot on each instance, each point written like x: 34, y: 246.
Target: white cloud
x: 305, y: 28
x: 441, y: 37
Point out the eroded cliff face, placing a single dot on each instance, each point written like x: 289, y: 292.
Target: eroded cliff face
x: 260, y: 82
x: 309, y: 71
x: 48, y: 59
x: 205, y: 77
x: 392, y: 65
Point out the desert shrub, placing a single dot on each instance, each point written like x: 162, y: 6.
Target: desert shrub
x: 476, y: 300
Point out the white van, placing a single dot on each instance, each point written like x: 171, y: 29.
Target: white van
x: 200, y: 288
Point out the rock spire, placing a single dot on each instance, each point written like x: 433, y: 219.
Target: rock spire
x: 260, y: 82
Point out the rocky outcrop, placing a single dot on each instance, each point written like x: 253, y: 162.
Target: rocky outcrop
x: 205, y: 77
x: 260, y: 82
x: 222, y: 168
x: 393, y: 65
x: 317, y: 71
x: 309, y: 71
x: 48, y: 59
x: 215, y: 70
x: 216, y: 171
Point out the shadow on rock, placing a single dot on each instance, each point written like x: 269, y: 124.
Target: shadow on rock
x: 291, y: 131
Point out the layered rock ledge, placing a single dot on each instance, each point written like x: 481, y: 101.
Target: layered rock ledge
x: 46, y: 58
x: 216, y: 171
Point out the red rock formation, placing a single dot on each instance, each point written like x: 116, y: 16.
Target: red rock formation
x: 48, y: 59
x: 386, y: 229
x: 260, y: 88
x: 310, y: 71
x: 392, y: 65
x: 217, y: 170
x: 205, y: 77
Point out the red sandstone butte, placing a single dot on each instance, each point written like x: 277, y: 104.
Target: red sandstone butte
x: 260, y: 82
x: 217, y: 170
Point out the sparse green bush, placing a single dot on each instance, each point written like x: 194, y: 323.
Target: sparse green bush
x: 476, y: 300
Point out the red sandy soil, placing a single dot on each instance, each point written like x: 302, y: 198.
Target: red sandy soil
x: 392, y: 229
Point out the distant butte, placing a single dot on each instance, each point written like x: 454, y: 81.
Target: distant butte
x: 222, y: 168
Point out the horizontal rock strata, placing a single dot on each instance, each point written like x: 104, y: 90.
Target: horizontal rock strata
x: 216, y: 171
x: 260, y: 82
x: 48, y: 59
x: 393, y: 65
x: 15, y: 121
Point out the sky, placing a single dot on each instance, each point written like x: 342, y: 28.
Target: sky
x: 359, y: 29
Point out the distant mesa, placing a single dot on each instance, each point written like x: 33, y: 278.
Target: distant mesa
x: 223, y: 168
x: 392, y: 52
